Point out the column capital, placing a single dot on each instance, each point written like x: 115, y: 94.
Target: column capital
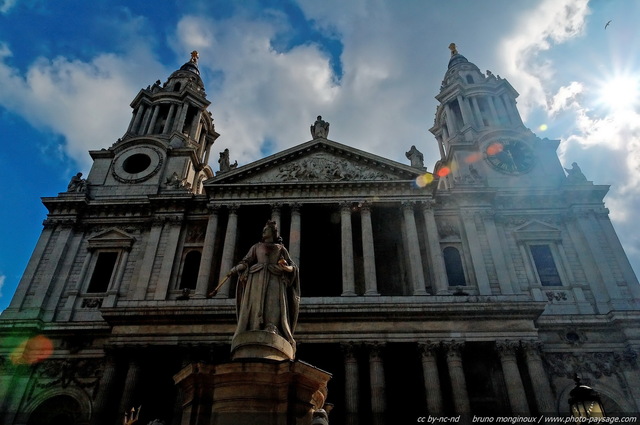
x: 407, y: 205
x: 233, y: 208
x: 276, y: 206
x: 453, y: 348
x: 365, y: 206
x: 428, y: 348
x: 531, y: 347
x: 214, y: 208
x: 375, y: 349
x: 346, y: 205
x: 295, y: 207
x: 507, y: 347
x: 428, y: 205
x: 349, y: 349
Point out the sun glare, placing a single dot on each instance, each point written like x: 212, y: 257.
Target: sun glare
x: 620, y: 93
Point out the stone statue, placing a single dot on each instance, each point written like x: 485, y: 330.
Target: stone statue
x: 268, y: 290
x: 224, y: 162
x: 574, y: 174
x: 320, y: 129
x: 416, y: 157
x: 77, y: 184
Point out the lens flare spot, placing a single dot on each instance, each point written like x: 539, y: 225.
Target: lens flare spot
x: 543, y: 127
x: 443, y: 171
x: 474, y: 157
x: 33, y: 350
x: 495, y: 148
x: 424, y: 179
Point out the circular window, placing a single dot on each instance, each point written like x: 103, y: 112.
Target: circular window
x: 136, y: 163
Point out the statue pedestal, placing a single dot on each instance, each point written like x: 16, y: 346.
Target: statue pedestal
x: 250, y: 392
x: 260, y: 345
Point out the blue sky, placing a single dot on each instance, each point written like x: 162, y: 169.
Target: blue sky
x: 70, y: 68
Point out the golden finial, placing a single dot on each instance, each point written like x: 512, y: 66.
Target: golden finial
x: 453, y: 49
x: 194, y: 57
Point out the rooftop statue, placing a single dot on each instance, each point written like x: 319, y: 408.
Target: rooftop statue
x: 416, y: 157
x: 77, y: 184
x: 225, y: 163
x: 574, y: 174
x: 320, y: 129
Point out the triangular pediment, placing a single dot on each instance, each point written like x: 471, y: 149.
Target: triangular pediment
x: 536, y: 226
x: 111, y: 238
x: 537, y: 230
x: 319, y: 160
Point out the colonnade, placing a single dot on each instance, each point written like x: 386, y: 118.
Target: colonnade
x: 407, y: 211
x: 452, y: 350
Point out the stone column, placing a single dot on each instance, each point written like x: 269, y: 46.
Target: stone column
x: 435, y: 252
x: 351, y: 379
x: 206, y: 262
x: 463, y: 110
x: 456, y: 375
x: 167, y: 123
x: 180, y: 117
x: 543, y: 392
x: 368, y: 252
x: 135, y: 125
x: 228, y: 250
x: 515, y: 389
x: 429, y: 352
x: 100, y: 414
x: 173, y: 228
x: 47, y: 278
x: 497, y: 254
x: 143, y: 273
x: 494, y: 112
x: 478, y: 113
x: 415, y: 261
x: 145, y: 120
x: 450, y: 119
x: 195, y: 124
x: 376, y: 373
x: 275, y: 214
x: 127, y: 400
x: 154, y: 118
x: 476, y: 251
x: 294, y: 234
x: 348, y: 279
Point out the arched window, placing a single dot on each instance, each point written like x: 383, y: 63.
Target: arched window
x: 58, y: 410
x: 453, y: 265
x: 176, y: 87
x: 190, y: 268
x: 469, y: 79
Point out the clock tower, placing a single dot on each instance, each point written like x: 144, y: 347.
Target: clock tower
x: 481, y: 137
x: 166, y: 146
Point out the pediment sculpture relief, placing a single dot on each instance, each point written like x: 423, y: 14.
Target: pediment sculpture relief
x: 320, y: 168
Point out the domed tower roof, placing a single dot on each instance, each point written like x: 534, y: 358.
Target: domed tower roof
x: 459, y: 65
x: 187, y: 75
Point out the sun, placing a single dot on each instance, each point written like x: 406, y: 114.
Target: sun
x: 620, y: 93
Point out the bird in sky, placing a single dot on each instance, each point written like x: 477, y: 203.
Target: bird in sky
x: 606, y: 25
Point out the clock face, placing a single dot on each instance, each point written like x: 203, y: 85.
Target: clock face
x: 510, y: 156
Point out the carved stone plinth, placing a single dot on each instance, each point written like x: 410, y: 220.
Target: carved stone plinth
x: 260, y: 345
x: 250, y: 392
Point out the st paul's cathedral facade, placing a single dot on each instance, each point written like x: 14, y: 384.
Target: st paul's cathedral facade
x: 482, y: 286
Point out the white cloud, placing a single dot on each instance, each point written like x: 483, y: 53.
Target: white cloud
x: 2, y: 279
x: 551, y: 22
x: 86, y: 102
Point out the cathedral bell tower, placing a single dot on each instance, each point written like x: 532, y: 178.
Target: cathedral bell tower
x: 481, y: 136
x: 167, y: 144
